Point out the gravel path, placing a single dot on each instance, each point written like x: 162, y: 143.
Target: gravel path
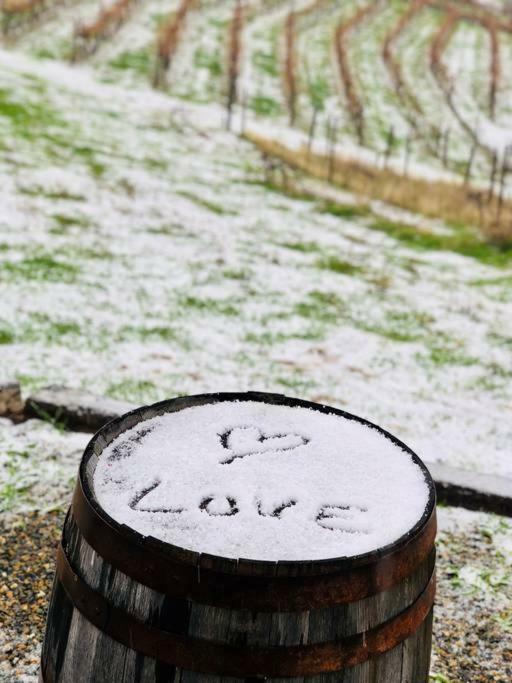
x: 473, y: 624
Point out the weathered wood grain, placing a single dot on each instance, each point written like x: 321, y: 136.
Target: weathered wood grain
x: 76, y: 650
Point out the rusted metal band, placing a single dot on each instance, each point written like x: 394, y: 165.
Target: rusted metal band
x: 211, y: 657
x: 145, y: 564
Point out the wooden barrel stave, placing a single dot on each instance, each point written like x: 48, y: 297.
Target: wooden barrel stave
x: 89, y: 654
x: 75, y: 649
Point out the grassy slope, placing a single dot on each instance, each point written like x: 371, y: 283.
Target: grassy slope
x: 142, y: 256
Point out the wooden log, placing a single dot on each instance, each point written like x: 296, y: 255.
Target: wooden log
x: 75, y: 408
x: 127, y: 607
x: 11, y: 403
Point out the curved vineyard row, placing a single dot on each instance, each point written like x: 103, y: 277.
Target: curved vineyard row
x: 374, y: 76
x: 168, y: 40
x: 87, y: 37
x: 17, y: 14
x: 354, y: 105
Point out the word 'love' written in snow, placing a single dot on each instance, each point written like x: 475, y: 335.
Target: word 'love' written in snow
x: 241, y: 442
x: 335, y: 517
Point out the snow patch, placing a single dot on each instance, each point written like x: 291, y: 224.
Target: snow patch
x: 268, y: 482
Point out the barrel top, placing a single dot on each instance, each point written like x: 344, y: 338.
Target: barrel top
x: 258, y: 476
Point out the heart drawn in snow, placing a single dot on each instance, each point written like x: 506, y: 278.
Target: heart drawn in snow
x: 244, y: 441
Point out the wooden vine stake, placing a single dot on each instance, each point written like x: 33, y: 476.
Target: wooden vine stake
x: 407, y: 153
x: 87, y: 37
x: 128, y: 604
x: 234, y: 55
x: 332, y: 150
x: 390, y: 143
x: 312, y: 130
x: 446, y: 147
x: 168, y: 40
x: 503, y: 177
x: 290, y: 67
x: 471, y: 159
x: 495, y: 66
x: 492, y: 176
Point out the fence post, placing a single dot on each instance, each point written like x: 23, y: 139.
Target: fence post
x: 446, y: 142
x: 311, y: 132
x: 469, y: 166
x: 390, y: 141
x: 503, y: 176
x: 233, y: 61
x: 408, y: 145
x: 243, y: 120
x: 332, y: 151
x: 492, y: 178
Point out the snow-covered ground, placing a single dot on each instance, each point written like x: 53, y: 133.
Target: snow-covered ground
x: 143, y: 254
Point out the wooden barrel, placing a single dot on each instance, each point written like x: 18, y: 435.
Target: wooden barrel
x: 128, y: 606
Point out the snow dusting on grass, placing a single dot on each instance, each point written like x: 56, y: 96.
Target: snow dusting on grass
x: 143, y: 254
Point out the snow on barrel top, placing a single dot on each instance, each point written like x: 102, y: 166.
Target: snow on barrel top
x: 246, y: 479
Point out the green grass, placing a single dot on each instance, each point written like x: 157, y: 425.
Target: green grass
x: 310, y: 333
x: 298, y: 383
x: 42, y: 328
x: 505, y: 281
x: 41, y: 267
x: 399, y: 326
x: 90, y: 157
x: 304, y: 247
x: 446, y: 354
x: 265, y: 106
x: 157, y: 333
x: 64, y: 221
x: 50, y: 194
x: 500, y: 340
x: 58, y: 329
x: 31, y: 383
x: 323, y: 307
x: 234, y: 274
x: 318, y: 92
x: 206, y: 204
x: 213, y: 306
x: 10, y: 493
x: 139, y: 391
x: 463, y: 242
x: 30, y: 119
x: 208, y: 60
x: 139, y: 61
x: 337, y: 265
x: 344, y: 210
x: 7, y: 335
x: 267, y: 62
